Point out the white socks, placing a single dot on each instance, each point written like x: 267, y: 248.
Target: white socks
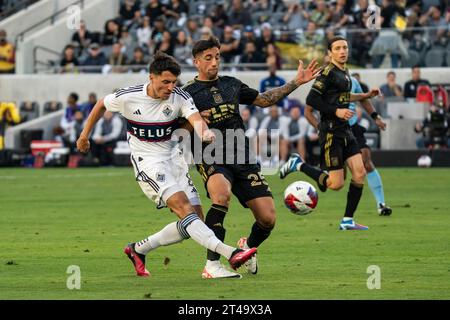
x: 176, y: 232
x: 203, y: 235
x: 167, y: 236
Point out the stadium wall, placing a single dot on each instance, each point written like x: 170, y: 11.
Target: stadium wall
x: 46, y: 123
x: 43, y: 87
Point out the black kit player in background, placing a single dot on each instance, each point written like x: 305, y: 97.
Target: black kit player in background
x: 218, y: 98
x: 330, y: 95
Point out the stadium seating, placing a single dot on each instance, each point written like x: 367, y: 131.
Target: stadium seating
x: 412, y: 60
x: 29, y: 110
x: 435, y: 57
x: 52, y: 106
x: 26, y: 136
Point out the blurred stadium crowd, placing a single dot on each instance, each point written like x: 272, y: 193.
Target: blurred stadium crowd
x: 284, y: 120
x: 265, y: 31
x: 266, y: 35
x: 260, y: 32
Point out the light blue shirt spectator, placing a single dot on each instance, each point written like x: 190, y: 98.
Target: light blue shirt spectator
x: 356, y: 88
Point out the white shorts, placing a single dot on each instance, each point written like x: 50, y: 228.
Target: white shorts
x: 159, y: 181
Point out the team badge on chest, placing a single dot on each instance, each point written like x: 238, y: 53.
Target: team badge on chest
x: 167, y: 110
x: 217, y: 97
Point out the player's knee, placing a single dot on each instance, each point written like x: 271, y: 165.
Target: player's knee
x: 359, y: 175
x: 221, y: 198
x: 337, y: 184
x: 268, y: 220
x: 267, y: 223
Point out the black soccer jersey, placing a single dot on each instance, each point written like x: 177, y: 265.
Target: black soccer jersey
x: 223, y: 97
x: 334, y: 85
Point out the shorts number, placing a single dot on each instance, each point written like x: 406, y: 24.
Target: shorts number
x: 257, y: 179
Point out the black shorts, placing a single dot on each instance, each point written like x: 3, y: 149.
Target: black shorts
x: 247, y: 182
x: 358, y: 132
x: 336, y: 148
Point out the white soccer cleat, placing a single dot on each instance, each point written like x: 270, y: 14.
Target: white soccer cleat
x: 217, y: 270
x: 252, y: 263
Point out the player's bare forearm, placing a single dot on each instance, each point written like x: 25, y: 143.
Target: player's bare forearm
x: 96, y: 113
x: 367, y: 105
x: 185, y: 125
x: 304, y: 75
x: 197, y: 123
x: 367, y: 95
x: 271, y: 97
x: 200, y: 127
x: 357, y: 97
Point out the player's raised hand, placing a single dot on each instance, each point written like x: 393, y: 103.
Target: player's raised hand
x: 83, y: 144
x: 345, y: 114
x: 205, y: 115
x: 311, y: 72
x: 374, y: 92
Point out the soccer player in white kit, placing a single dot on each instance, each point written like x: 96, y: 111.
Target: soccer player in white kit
x: 152, y: 111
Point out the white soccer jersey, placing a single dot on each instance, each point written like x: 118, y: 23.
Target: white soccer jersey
x: 150, y: 122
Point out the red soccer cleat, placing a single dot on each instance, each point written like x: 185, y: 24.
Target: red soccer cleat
x: 240, y: 256
x: 137, y: 259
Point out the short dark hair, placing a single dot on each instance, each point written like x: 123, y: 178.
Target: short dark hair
x: 74, y: 96
x: 203, y: 45
x: 390, y: 72
x: 333, y: 40
x: 163, y: 62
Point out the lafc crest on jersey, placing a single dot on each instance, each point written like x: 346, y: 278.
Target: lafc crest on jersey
x: 216, y: 95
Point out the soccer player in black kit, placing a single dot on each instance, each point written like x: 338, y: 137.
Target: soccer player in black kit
x: 330, y: 95
x: 218, y: 98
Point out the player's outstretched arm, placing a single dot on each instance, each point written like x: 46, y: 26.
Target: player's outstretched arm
x: 362, y: 96
x: 201, y: 128
x: 271, y: 97
x: 97, y: 112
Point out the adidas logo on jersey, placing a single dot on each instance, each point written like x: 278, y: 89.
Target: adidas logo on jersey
x: 137, y: 112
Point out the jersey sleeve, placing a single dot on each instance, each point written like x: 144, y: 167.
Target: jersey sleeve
x: 247, y: 95
x: 188, y: 107
x: 113, y: 103
x: 320, y: 84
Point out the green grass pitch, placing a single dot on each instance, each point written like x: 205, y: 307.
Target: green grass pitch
x: 51, y: 219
